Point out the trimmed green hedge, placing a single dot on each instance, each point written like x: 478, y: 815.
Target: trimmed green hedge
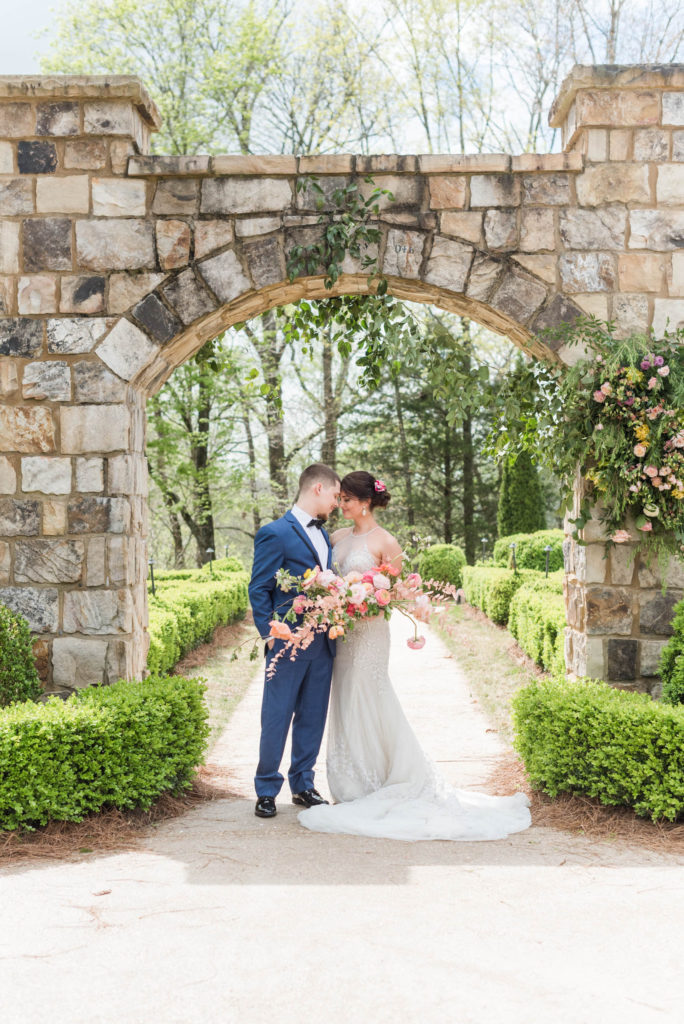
x: 219, y: 568
x: 672, y: 660
x: 442, y: 562
x: 113, y: 746
x: 185, y: 613
x: 537, y: 621
x: 492, y: 589
x: 18, y: 675
x: 620, y: 747
x: 529, y: 550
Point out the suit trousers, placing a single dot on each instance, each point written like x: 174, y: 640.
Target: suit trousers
x: 296, y: 694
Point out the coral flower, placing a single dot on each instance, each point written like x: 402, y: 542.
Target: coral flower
x: 280, y: 630
x: 382, y: 597
x: 299, y: 604
x: 416, y: 643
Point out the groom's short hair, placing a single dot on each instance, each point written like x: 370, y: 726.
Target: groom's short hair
x: 317, y: 473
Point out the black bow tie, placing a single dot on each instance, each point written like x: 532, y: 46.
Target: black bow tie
x: 318, y: 523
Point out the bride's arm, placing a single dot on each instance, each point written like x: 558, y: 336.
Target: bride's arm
x: 391, y: 552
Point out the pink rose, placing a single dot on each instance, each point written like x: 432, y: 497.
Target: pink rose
x: 639, y: 450
x: 309, y: 581
x: 651, y: 471
x: 357, y: 594
x: 599, y: 396
x: 652, y: 381
x: 413, y: 580
x: 381, y: 582
x: 663, y: 371
x: 416, y: 643
x: 299, y: 604
x: 368, y: 577
x: 647, y: 527
x: 607, y: 388
x: 621, y: 536
x: 382, y: 597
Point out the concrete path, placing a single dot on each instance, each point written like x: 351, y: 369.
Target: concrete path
x: 220, y: 917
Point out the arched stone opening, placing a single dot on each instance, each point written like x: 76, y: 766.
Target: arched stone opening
x: 117, y: 266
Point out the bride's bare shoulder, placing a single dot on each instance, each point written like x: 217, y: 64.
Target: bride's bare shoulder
x: 339, y: 534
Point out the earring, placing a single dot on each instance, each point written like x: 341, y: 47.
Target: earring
x: 364, y: 511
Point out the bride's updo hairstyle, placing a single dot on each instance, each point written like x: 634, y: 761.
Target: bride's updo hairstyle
x: 366, y: 487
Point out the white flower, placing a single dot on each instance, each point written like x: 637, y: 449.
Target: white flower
x: 381, y: 582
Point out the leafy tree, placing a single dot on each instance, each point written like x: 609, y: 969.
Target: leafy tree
x: 520, y: 499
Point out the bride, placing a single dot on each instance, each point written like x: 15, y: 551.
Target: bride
x: 382, y: 782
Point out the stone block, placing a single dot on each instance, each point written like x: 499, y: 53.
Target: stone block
x: 85, y: 155
x: 246, y: 195
x: 21, y: 337
x: 678, y: 145
x: 403, y: 253
x: 158, y: 321
x: 75, y: 335
x: 609, y: 610
x: 17, y: 119
x: 7, y: 303
x: 120, y: 153
x: 656, y: 611
x: 210, y: 235
x: 38, y: 605
x: 247, y: 227
x: 19, y: 517
x: 462, y: 225
x: 668, y: 315
x: 621, y: 660
x: 613, y: 183
x: 126, y: 349
x: 670, y: 185
x: 541, y: 266
x: 48, y: 561
x: 98, y: 515
x: 126, y: 290
x: 9, y: 247
x: 630, y: 313
x: 77, y: 663
x: 406, y: 190
x: 95, y: 562
x: 50, y: 475
x: 494, y: 190
x: 651, y: 144
x: 36, y: 157
x: 121, y: 475
x: 519, y: 296
x: 49, y: 381
x: 627, y: 107
x: 94, y: 428
x: 675, y: 274
x: 661, y: 230
x: 484, y: 276
x: 7, y: 158
x: 537, y: 230
x: 126, y: 658
x: 651, y: 651
x: 119, y: 561
x: 173, y: 243
x: 9, y: 380
x: 641, y: 272
x: 8, y: 476
x: 16, y: 196
x: 177, y: 195
x: 355, y: 264
x: 54, y: 518
x: 620, y: 144
x: 448, y: 264
x: 225, y: 276
x: 37, y: 294
x: 117, y: 244
x: 57, y: 119
x: 587, y: 271
x: 187, y: 296
x: 559, y: 310
x: 673, y: 108
x: 47, y: 244
x: 27, y: 428
x: 596, y: 144
x: 98, y: 611
x: 69, y: 194
x: 106, y: 117
x: 5, y: 562
x: 447, y: 191
x: 118, y: 197
x: 89, y: 475
x: 501, y: 229
x: 546, y: 189
x: 265, y: 261
x: 82, y: 294
x: 593, y: 229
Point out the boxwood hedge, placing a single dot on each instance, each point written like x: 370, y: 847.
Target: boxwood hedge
x: 529, y: 550
x: 491, y: 589
x: 443, y: 562
x: 622, y: 748
x: 112, y: 746
x: 537, y: 621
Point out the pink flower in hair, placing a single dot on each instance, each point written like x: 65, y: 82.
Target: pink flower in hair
x: 379, y: 486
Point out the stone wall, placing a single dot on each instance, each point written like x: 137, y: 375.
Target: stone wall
x: 116, y: 266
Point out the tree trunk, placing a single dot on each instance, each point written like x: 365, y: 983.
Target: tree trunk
x: 251, y: 455
x: 468, y: 491
x: 404, y: 453
x: 448, y: 491
x: 329, y: 447
x: 204, y: 518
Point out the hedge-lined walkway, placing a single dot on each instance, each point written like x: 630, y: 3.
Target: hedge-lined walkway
x: 220, y: 917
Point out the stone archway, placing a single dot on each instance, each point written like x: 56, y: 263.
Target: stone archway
x: 117, y: 266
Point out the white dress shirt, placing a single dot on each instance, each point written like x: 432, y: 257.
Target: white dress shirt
x: 313, y: 533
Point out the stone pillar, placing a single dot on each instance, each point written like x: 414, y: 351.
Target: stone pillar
x: 73, y: 478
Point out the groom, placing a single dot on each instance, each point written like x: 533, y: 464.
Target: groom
x: 298, y: 691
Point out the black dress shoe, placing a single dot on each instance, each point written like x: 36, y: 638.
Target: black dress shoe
x: 308, y: 798
x: 265, y: 807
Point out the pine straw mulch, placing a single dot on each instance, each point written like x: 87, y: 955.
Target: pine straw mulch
x: 584, y: 816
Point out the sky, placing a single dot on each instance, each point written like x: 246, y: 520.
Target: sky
x: 18, y: 45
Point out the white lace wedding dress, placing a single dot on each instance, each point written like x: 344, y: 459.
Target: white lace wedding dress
x: 382, y: 782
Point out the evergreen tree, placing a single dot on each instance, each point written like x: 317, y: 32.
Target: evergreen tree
x: 521, y: 509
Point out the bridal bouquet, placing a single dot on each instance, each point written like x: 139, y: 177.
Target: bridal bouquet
x: 332, y: 604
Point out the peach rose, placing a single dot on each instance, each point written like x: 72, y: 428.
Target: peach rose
x: 382, y: 597
x: 280, y: 630
x: 639, y: 450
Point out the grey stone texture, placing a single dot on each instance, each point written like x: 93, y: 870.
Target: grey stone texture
x: 47, y: 244
x: 48, y: 561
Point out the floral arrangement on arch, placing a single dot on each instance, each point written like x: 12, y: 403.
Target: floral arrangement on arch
x: 617, y: 416
x: 334, y: 604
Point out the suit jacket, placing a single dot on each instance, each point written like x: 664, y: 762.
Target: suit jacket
x: 283, y: 544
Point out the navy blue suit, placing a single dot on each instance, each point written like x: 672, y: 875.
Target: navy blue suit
x: 298, y: 691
